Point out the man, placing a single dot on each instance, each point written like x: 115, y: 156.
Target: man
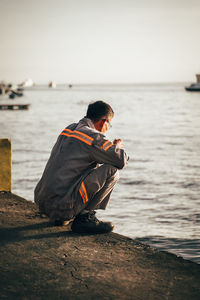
x: 73, y: 184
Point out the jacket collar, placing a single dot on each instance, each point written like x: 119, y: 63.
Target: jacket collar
x: 87, y: 122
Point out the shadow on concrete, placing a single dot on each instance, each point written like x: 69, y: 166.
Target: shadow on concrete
x: 23, y: 233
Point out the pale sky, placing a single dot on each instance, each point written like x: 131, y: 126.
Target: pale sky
x: 100, y: 41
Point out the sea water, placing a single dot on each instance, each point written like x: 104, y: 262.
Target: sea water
x: 157, y: 198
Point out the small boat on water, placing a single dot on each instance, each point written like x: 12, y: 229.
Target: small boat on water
x: 194, y: 87
x: 10, y: 90
x: 52, y: 84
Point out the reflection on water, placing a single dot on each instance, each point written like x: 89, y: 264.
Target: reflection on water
x: 187, y: 248
x: 157, y: 197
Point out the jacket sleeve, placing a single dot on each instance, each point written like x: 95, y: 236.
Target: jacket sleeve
x: 104, y: 151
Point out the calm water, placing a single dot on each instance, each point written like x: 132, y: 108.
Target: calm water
x: 157, y: 198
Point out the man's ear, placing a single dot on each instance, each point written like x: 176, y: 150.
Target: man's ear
x: 102, y: 122
x: 98, y: 125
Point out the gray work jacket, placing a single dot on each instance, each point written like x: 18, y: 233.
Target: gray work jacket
x: 78, y: 150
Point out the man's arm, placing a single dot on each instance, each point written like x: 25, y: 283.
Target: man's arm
x: 109, y: 152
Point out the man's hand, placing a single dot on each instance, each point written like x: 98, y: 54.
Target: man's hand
x: 118, y: 142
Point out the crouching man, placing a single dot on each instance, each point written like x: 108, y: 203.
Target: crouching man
x: 73, y: 184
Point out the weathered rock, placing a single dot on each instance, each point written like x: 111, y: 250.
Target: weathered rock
x: 40, y: 261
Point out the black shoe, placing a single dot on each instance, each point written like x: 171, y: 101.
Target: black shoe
x: 88, y: 223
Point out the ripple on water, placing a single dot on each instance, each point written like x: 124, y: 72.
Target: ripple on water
x: 187, y: 248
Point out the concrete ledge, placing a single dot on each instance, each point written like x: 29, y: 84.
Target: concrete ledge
x: 40, y: 261
x: 5, y: 165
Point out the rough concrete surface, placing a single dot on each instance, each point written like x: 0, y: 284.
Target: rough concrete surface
x: 41, y: 261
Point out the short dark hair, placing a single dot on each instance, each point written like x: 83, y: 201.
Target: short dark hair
x: 99, y: 109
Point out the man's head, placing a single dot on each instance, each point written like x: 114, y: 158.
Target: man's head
x: 101, y: 114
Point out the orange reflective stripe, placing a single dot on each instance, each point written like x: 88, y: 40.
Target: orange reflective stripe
x: 108, y: 147
x: 81, y: 133
x: 82, y: 195
x: 77, y: 137
x: 84, y: 189
x: 83, y: 192
x: 87, y: 136
x: 66, y: 129
x: 105, y: 144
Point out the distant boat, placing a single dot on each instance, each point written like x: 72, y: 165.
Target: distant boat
x: 52, y: 84
x: 27, y: 83
x: 10, y: 90
x: 194, y: 87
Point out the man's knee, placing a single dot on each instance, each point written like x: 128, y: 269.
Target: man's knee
x: 105, y: 174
